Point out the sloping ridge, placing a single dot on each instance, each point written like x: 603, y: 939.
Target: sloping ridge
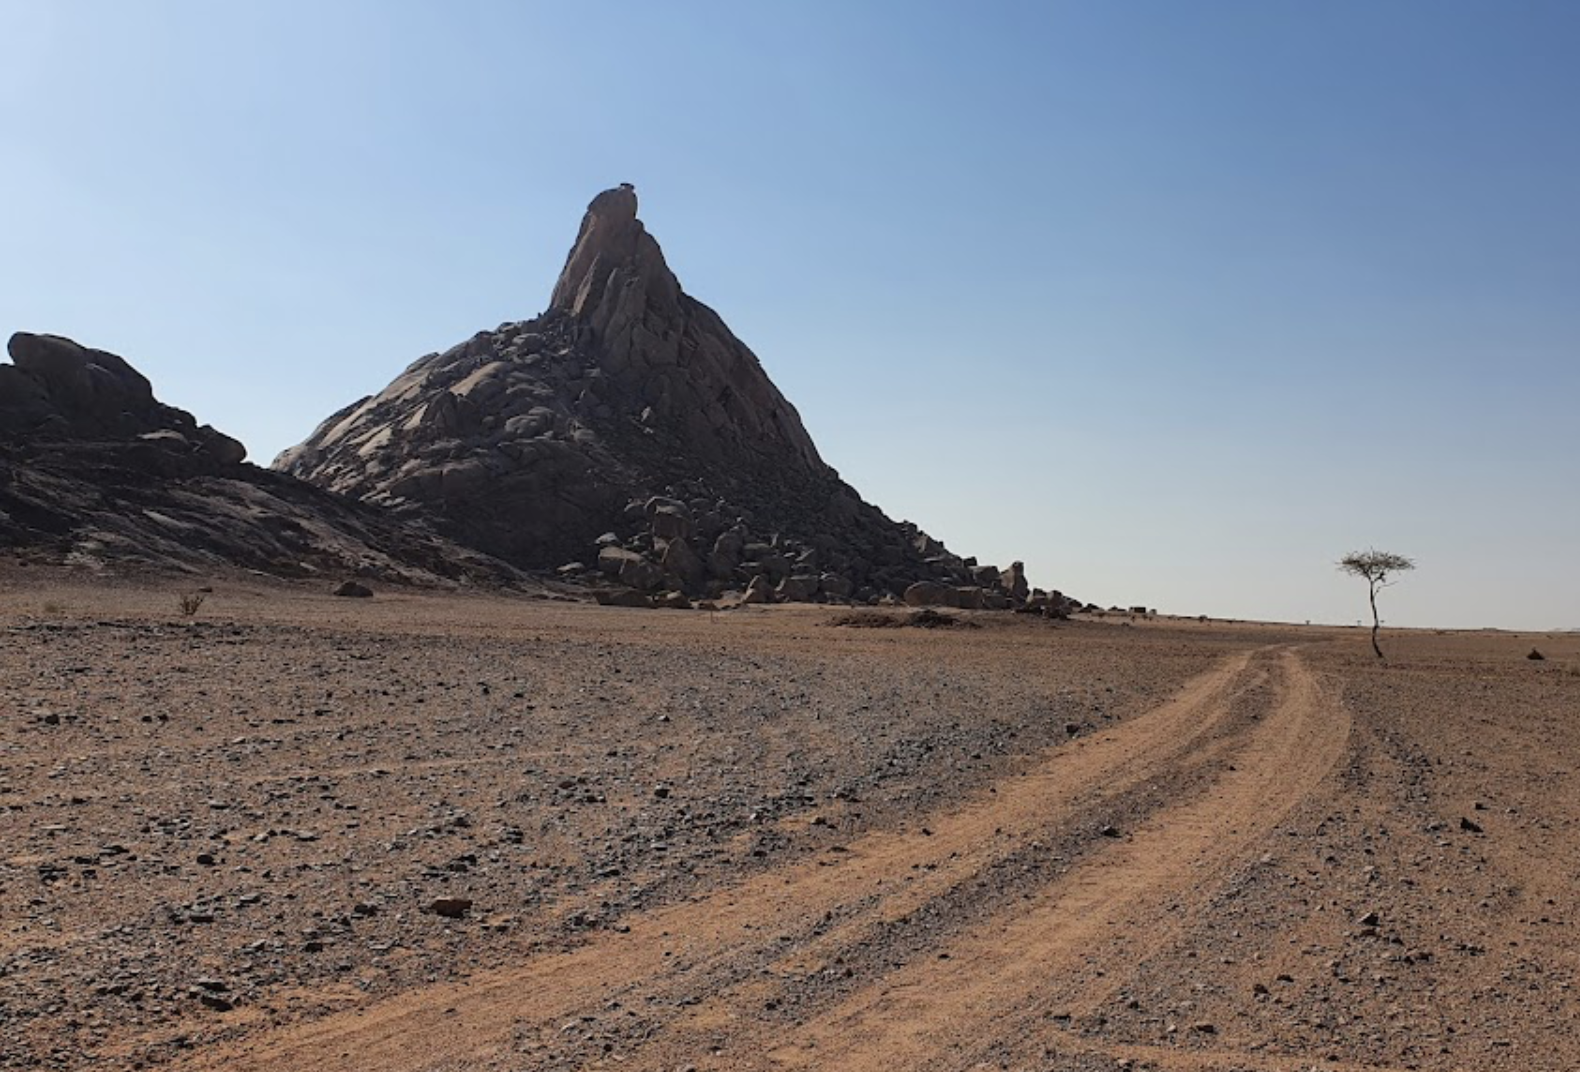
x: 95, y: 470
x: 554, y: 440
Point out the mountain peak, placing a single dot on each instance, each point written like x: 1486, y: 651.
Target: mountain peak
x: 613, y: 260
x: 628, y: 412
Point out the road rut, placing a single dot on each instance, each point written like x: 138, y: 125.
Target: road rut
x: 758, y: 975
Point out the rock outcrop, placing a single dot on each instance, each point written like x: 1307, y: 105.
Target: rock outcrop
x: 629, y: 429
x: 94, y: 471
x: 57, y: 390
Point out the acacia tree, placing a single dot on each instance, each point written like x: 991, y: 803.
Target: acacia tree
x: 1376, y: 567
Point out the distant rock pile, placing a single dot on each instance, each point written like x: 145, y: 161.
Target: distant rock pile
x: 628, y: 439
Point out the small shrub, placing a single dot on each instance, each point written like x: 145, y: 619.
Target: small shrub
x: 926, y: 618
x: 190, y: 603
x: 869, y: 619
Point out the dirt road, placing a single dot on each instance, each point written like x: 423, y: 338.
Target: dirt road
x: 767, y: 841
x: 1042, y: 891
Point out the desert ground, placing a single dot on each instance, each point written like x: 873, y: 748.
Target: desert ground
x: 445, y: 831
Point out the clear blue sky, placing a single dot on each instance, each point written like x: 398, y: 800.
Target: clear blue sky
x: 1177, y: 302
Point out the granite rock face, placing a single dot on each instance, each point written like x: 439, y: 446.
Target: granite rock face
x: 626, y: 418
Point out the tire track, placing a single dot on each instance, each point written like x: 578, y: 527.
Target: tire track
x: 698, y: 964
x: 1067, y: 951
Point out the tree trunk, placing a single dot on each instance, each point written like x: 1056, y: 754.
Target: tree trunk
x: 1376, y: 622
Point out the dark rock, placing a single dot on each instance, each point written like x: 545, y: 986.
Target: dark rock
x: 835, y: 586
x: 797, y: 589
x: 965, y: 597
x: 1470, y: 826
x: 622, y: 597
x: 681, y: 563
x: 1535, y: 656
x: 926, y: 594
x: 450, y: 907
x: 630, y: 568
x: 726, y: 554
x: 1013, y: 582
x: 354, y: 590
x: 984, y: 576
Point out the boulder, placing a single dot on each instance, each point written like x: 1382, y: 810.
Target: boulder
x: 621, y: 597
x: 926, y: 594
x: 681, y: 562
x: 1013, y: 582
x: 965, y: 597
x: 760, y: 590
x: 726, y: 554
x: 835, y: 586
x: 798, y: 588
x: 354, y: 590
x: 985, y: 576
x: 612, y: 559
x: 629, y: 568
x: 775, y: 565
x: 670, y: 522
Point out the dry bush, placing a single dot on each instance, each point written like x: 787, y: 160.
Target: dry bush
x: 926, y: 618
x: 190, y: 603
x: 869, y: 619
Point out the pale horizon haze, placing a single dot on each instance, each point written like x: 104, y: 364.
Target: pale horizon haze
x: 1176, y: 302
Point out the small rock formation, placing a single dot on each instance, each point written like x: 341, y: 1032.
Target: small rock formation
x: 628, y: 418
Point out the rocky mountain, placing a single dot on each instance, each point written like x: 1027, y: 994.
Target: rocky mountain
x: 627, y: 432
x: 94, y: 469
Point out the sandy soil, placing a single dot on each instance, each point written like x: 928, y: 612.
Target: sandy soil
x: 763, y: 840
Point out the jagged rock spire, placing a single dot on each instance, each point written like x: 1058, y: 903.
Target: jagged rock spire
x: 613, y: 252
x: 658, y: 344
